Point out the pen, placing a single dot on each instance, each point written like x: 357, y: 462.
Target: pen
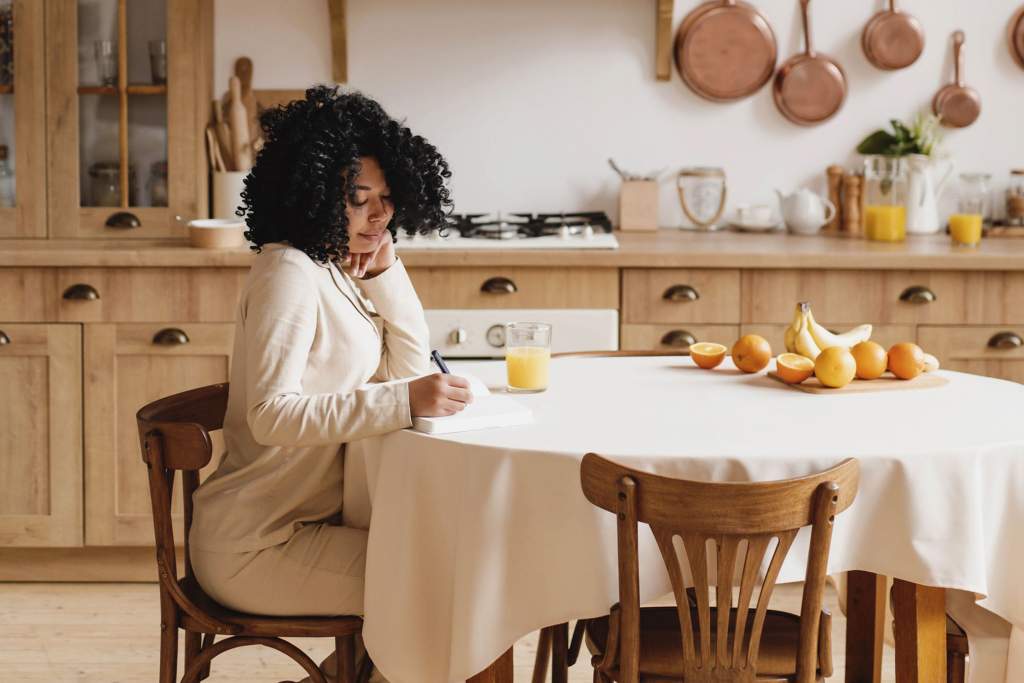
x: 436, y: 357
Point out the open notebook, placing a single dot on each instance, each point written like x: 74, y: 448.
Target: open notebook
x: 487, y: 410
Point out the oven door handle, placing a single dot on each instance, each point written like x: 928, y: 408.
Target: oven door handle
x: 499, y: 285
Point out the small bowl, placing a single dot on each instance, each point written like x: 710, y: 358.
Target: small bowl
x: 216, y: 233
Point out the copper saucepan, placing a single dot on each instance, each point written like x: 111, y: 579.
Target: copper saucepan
x: 1016, y: 36
x: 892, y: 39
x: 810, y: 87
x: 725, y: 50
x: 956, y: 104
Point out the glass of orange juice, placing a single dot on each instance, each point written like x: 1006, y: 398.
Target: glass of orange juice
x: 527, y: 356
x: 965, y: 228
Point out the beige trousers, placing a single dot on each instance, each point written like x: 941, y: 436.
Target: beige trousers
x: 319, y: 571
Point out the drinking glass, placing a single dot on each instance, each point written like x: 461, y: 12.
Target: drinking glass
x: 885, y: 198
x: 106, y: 62
x: 158, y: 61
x: 527, y: 356
x: 965, y: 226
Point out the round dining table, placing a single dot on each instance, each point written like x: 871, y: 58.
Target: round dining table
x: 480, y: 537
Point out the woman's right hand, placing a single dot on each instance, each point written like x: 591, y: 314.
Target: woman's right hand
x: 438, y: 395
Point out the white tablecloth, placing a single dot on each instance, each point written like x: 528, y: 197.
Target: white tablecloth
x: 481, y: 537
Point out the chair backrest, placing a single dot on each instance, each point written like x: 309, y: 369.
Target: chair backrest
x: 719, y: 524
x: 174, y: 433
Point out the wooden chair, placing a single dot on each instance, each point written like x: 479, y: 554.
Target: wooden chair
x: 696, y: 641
x: 956, y: 652
x: 175, y: 435
x: 554, y: 643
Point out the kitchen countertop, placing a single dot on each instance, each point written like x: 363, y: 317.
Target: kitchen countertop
x: 663, y: 249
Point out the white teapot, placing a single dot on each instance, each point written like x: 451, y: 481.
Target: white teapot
x: 805, y: 212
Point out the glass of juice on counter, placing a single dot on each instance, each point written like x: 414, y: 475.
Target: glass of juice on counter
x: 965, y: 226
x: 527, y: 356
x: 885, y: 198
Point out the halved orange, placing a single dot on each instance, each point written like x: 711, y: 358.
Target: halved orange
x: 793, y: 368
x: 707, y: 355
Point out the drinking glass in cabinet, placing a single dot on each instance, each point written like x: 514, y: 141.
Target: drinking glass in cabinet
x: 1015, y: 198
x: 157, y: 185
x: 6, y: 44
x: 7, y: 198
x: 106, y: 62
x: 885, y: 198
x: 105, y: 185
x: 158, y: 61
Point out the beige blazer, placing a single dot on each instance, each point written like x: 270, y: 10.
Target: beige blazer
x: 308, y: 338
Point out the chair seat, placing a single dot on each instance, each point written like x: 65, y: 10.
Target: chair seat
x: 261, y: 625
x: 661, y: 644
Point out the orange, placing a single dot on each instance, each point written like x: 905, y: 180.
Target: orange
x: 793, y: 368
x: 871, y: 359
x: 906, y: 360
x: 707, y: 355
x: 835, y: 367
x: 751, y: 353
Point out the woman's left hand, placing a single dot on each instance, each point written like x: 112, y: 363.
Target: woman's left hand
x: 372, y: 263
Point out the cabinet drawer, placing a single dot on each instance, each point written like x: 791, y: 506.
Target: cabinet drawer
x: 680, y: 296
x: 886, y: 335
x: 516, y: 287
x: 646, y: 337
x: 991, y: 351
x: 28, y: 294
x: 149, y: 294
x: 912, y: 297
x: 127, y: 366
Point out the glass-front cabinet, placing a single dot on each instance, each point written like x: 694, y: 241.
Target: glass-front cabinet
x: 22, y: 135
x: 128, y: 99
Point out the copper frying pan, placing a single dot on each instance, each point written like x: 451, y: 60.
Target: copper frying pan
x: 1016, y: 36
x: 810, y: 87
x: 892, y: 39
x: 725, y: 50
x: 956, y: 104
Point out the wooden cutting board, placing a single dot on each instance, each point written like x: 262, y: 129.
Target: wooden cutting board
x: 886, y: 382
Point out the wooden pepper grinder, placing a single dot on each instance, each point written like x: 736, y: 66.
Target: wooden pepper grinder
x: 853, y: 218
x: 834, y: 174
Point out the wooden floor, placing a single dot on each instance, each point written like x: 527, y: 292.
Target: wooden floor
x: 108, y: 633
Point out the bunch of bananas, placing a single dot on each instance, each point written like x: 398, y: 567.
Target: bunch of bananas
x: 808, y: 338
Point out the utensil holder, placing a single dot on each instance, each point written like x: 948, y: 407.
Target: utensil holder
x: 638, y: 206
x: 227, y: 192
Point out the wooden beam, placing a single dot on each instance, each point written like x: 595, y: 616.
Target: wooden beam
x: 919, y: 627
x: 663, y: 41
x: 339, y: 41
x: 865, y: 624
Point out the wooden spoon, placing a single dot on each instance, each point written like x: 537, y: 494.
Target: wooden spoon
x: 238, y: 122
x: 243, y: 69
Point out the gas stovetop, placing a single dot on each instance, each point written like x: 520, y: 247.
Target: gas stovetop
x: 582, y: 230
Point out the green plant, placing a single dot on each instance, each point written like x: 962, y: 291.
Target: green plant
x: 921, y: 137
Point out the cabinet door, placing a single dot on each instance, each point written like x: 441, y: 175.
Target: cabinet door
x: 125, y: 134
x: 127, y: 366
x: 637, y: 337
x: 41, y: 435
x: 992, y: 351
x: 22, y: 127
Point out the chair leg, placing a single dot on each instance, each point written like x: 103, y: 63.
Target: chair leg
x: 560, y: 654
x: 540, y: 663
x: 365, y: 668
x: 168, y: 651
x: 345, y: 658
x: 193, y: 644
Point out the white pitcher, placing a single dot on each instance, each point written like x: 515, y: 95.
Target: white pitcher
x: 923, y: 193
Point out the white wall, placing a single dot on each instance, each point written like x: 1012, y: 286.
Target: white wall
x: 527, y: 99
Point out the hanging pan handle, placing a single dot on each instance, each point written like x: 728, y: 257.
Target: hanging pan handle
x: 958, y: 57
x: 808, y: 46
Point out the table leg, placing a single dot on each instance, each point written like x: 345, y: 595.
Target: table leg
x: 498, y: 672
x: 919, y: 613
x: 865, y: 626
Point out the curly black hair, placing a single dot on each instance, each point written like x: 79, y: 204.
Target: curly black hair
x: 301, y: 182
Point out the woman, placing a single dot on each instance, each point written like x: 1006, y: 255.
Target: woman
x: 327, y: 313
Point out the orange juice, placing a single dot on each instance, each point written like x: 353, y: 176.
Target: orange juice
x: 965, y: 228
x: 885, y: 222
x: 527, y: 367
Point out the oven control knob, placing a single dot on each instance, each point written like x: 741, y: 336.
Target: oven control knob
x: 564, y: 232
x: 457, y: 336
x: 496, y: 336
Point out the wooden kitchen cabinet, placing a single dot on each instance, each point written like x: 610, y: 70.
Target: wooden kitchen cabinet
x: 885, y: 296
x: 982, y: 350
x: 22, y: 101
x: 127, y: 366
x: 515, y: 287
x: 673, y: 295
x: 638, y: 337
x: 135, y: 126
x: 40, y: 435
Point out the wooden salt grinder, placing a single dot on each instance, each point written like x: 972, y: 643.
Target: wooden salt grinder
x: 853, y: 218
x: 835, y: 181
